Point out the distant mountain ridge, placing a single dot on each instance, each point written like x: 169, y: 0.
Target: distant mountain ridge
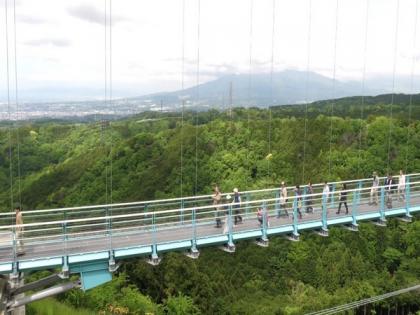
x: 286, y: 87
x: 241, y: 90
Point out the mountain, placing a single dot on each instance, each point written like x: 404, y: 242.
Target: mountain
x: 286, y: 87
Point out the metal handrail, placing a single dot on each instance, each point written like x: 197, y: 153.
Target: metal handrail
x: 200, y: 197
x: 190, y: 209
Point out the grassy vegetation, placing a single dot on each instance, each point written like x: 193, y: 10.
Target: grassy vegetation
x: 51, y: 306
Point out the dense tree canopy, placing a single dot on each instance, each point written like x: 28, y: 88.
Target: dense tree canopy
x: 68, y: 164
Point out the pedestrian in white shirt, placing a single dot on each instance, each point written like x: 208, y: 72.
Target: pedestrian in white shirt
x: 374, y: 198
x: 401, y: 186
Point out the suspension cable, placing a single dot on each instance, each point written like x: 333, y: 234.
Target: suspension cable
x: 271, y: 85
x: 413, y: 64
x: 397, y: 18
x: 18, y: 118
x: 8, y: 106
x: 198, y: 95
x: 363, y: 88
x: 183, y: 100
x: 352, y: 305
x: 105, y: 95
x: 308, y: 63
x: 333, y: 89
x: 251, y: 18
x: 111, y: 103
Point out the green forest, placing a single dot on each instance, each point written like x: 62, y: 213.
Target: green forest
x: 159, y: 154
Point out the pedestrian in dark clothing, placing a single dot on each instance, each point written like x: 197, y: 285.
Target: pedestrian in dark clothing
x: 237, y: 206
x: 343, y: 200
x: 389, y: 189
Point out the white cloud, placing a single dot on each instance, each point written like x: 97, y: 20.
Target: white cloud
x: 92, y: 14
x: 147, y: 40
x: 57, y: 42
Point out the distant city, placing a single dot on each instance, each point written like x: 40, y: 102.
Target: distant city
x: 118, y: 107
x: 231, y: 90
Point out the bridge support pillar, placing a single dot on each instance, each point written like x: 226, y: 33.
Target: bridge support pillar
x: 354, y: 227
x: 382, y: 219
x: 295, y: 235
x: 230, y: 246
x: 408, y: 217
x: 322, y: 232
x: 324, y: 229
x: 193, y: 253
x: 263, y: 241
x: 154, y: 260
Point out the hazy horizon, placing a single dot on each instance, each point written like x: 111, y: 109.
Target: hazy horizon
x: 61, y: 44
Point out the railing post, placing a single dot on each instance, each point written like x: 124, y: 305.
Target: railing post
x: 64, y: 227
x: 277, y: 204
x: 407, y: 197
x: 108, y: 221
x: 333, y: 195
x: 155, y: 258
x: 181, y: 213
x: 230, y: 231
x: 15, y: 251
x: 65, y: 268
x: 324, y: 213
x: 355, y: 204
x: 247, y: 207
x: 295, y: 221
x: 194, y: 253
x: 264, y: 237
x: 145, y: 210
x: 382, y: 206
x: 360, y: 186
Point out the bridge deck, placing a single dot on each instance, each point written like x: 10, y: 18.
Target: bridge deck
x: 86, y: 237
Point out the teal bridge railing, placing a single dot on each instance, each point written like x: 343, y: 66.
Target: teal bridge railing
x: 91, y: 240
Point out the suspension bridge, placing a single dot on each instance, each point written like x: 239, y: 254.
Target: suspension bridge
x: 92, y: 240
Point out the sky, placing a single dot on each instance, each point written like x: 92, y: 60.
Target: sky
x: 61, y: 44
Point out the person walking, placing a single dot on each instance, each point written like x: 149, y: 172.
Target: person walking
x: 283, y: 199
x: 19, y: 231
x: 389, y: 186
x: 343, y: 199
x: 374, y: 199
x: 237, y: 206
x: 401, y: 186
x: 326, y: 192
x: 261, y: 215
x: 309, y: 199
x: 217, y: 198
x: 298, y: 196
